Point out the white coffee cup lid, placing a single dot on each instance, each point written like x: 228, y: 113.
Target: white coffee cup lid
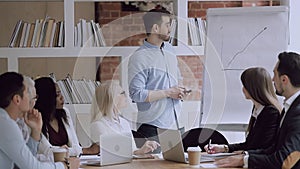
x: 194, y: 148
x: 58, y: 149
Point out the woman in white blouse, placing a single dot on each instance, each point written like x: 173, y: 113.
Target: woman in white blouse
x: 109, y: 99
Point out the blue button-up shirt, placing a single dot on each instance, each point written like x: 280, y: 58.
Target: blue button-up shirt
x: 13, y: 148
x: 154, y: 68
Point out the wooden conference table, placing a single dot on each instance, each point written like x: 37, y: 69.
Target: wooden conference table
x: 145, y: 164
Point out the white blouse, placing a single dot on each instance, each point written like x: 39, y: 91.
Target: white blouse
x: 106, y: 126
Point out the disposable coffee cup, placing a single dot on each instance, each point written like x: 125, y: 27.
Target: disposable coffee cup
x: 194, y: 155
x: 59, y: 154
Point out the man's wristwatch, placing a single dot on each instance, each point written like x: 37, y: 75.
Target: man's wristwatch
x: 245, y: 153
x: 226, y: 149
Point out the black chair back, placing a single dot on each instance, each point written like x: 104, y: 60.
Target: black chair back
x: 139, y: 138
x: 200, y: 137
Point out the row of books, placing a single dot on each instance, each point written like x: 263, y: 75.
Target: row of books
x: 88, y: 34
x: 77, y: 91
x: 43, y: 33
x: 49, y: 33
x: 197, y: 31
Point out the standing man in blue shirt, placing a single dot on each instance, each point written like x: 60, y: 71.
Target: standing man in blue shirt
x: 154, y: 77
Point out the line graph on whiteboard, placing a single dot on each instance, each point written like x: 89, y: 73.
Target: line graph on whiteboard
x: 239, y: 50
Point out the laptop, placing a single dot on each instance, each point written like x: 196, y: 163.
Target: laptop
x: 172, y: 147
x: 114, y: 149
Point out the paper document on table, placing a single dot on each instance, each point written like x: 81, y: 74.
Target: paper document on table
x: 144, y: 156
x: 218, y: 155
x: 208, y: 165
x: 90, y: 159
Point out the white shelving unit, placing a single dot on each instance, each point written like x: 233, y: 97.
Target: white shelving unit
x: 12, y: 54
x: 181, y: 10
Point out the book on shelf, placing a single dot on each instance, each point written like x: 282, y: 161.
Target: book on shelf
x: 197, y: 31
x: 56, y: 34
x: 84, y: 33
x: 64, y: 92
x: 79, y: 34
x: 47, y: 33
x: 61, y: 35
x: 80, y: 93
x: 69, y: 91
x: 72, y: 90
x: 40, y: 25
x: 30, y: 35
x: 202, y: 30
x: 15, y: 33
x: 90, y: 35
x: 19, y: 36
x: 193, y: 32
x: 52, y: 35
x: 43, y: 32
x: 100, y: 35
x: 97, y: 42
x: 75, y: 36
x: 35, y: 32
x: 28, y: 25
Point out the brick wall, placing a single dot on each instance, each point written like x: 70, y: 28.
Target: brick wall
x: 123, y: 28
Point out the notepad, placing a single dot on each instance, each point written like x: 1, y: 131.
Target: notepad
x: 208, y: 165
x: 218, y: 155
x: 90, y: 160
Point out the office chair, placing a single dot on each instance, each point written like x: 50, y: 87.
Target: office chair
x: 200, y: 137
x: 139, y: 138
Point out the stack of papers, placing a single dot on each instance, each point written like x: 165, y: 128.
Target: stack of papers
x: 217, y: 155
x: 90, y: 160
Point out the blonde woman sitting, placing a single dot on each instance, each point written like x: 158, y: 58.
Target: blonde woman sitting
x: 109, y: 99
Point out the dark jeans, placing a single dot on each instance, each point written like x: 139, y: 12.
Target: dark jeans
x: 150, y: 132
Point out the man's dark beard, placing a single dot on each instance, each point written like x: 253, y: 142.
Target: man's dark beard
x: 164, y: 37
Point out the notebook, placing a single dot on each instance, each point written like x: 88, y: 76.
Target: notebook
x: 172, y: 147
x: 114, y: 149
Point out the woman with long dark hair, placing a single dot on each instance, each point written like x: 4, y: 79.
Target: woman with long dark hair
x: 57, y: 123
x: 264, y: 121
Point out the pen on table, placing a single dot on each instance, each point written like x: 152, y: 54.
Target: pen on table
x: 209, y: 143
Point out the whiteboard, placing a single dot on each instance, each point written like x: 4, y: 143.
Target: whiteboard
x: 238, y: 38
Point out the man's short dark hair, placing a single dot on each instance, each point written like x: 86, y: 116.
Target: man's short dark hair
x: 154, y: 16
x: 11, y: 84
x: 289, y: 64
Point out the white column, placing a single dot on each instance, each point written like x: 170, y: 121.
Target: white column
x: 182, y: 15
x: 69, y: 23
x: 294, y: 26
x: 13, y: 64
